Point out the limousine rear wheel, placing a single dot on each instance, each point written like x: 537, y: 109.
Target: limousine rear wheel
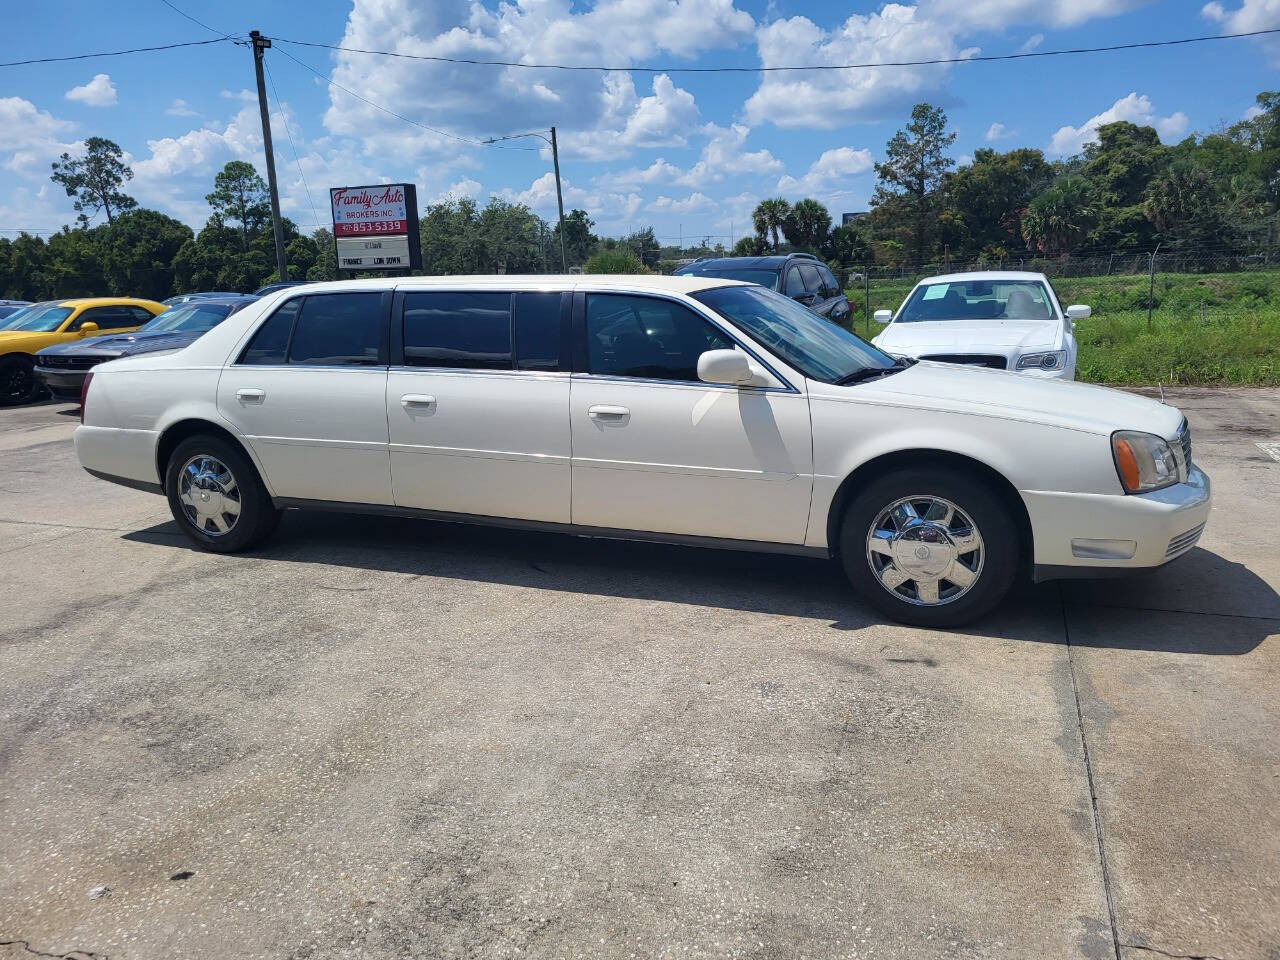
x: 929, y: 548
x: 216, y: 495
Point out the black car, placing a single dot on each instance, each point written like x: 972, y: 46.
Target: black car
x: 801, y: 276
x: 62, y: 367
x: 278, y: 285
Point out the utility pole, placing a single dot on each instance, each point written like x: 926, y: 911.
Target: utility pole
x: 555, y: 160
x: 261, y: 43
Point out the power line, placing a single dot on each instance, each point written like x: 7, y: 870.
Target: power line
x: 201, y: 23
x: 283, y: 119
x: 112, y: 53
x: 392, y: 113
x: 788, y: 69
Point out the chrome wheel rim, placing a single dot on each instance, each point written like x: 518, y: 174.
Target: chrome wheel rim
x: 925, y: 550
x: 209, y: 495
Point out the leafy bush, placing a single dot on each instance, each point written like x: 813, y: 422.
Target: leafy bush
x: 618, y: 260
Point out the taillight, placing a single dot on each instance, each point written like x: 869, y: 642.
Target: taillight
x: 84, y: 393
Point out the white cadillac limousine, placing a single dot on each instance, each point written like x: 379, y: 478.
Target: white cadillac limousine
x: 686, y: 409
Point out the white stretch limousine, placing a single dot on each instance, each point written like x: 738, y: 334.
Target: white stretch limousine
x: 685, y: 409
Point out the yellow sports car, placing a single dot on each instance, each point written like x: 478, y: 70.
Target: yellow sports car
x: 59, y: 321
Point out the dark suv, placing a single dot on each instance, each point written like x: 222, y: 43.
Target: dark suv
x: 801, y: 276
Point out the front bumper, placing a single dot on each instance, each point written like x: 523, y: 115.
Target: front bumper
x: 62, y: 383
x: 1083, y: 534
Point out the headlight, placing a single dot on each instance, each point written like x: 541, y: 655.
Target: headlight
x: 1144, y: 461
x: 1052, y: 360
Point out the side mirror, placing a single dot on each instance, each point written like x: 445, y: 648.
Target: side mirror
x: 88, y: 328
x: 724, y: 366
x: 1079, y: 311
x: 883, y: 316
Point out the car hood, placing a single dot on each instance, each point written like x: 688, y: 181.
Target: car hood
x: 123, y: 344
x: 969, y: 336
x: 949, y: 387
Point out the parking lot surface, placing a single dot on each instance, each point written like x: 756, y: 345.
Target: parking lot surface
x: 388, y: 738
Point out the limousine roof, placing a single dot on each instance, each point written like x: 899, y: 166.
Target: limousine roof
x: 511, y: 281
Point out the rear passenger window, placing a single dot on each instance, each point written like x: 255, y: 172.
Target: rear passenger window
x: 829, y: 286
x: 453, y: 329
x: 268, y: 346
x: 812, y: 281
x: 795, y: 285
x: 338, y: 329
x: 537, y: 331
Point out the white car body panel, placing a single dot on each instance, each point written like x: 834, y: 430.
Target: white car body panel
x: 1011, y: 339
x: 758, y: 466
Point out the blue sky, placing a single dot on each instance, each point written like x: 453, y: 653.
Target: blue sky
x: 688, y: 154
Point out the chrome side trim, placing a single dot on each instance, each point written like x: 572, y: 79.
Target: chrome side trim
x: 687, y: 384
x: 542, y: 526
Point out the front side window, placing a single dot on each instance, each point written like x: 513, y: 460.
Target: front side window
x: 338, y: 329
x: 463, y: 330
x: 812, y: 279
x: 795, y: 283
x: 109, y: 318
x: 829, y: 286
x: 977, y: 300
x: 630, y: 336
x: 816, y: 347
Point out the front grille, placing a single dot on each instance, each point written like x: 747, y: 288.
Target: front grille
x: 1183, y: 542
x: 994, y: 361
x: 69, y: 363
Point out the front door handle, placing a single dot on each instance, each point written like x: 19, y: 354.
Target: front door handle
x: 602, y: 411
x: 417, y: 400
x: 250, y: 395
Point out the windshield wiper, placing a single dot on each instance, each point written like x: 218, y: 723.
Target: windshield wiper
x: 874, y: 373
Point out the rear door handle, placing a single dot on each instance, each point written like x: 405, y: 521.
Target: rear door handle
x: 601, y: 411
x: 250, y: 395
x: 412, y: 400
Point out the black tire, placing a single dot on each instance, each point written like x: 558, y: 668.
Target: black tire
x: 972, y: 498
x: 257, y: 517
x: 18, y: 383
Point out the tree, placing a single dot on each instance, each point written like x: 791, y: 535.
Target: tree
x: 1061, y: 217
x: 580, y: 242
x: 326, y: 265
x: 240, y: 195
x: 619, y: 260
x: 645, y: 246
x: 983, y: 201
x: 808, y: 225
x: 849, y: 245
x: 510, y: 238
x: 1183, y: 203
x: 95, y: 179
x: 769, y: 217
x: 749, y: 247
x: 1119, y: 166
x: 137, y: 254
x: 915, y: 163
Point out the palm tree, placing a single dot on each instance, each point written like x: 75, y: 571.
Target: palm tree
x: 1061, y: 217
x: 768, y: 218
x: 808, y: 225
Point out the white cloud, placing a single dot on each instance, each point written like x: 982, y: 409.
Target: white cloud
x: 458, y: 190
x: 180, y: 108
x: 829, y: 172
x: 1031, y: 43
x: 693, y: 202
x: 628, y: 121
x: 98, y: 92
x: 1135, y: 108
x: 997, y: 131
x: 1251, y: 15
x: 609, y: 210
x: 33, y: 138
x: 660, y: 171
x: 725, y: 154
x: 1059, y: 13
x: 1253, y: 113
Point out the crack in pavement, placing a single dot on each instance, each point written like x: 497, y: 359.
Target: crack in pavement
x: 1088, y: 770
x: 69, y: 955
x: 1194, y: 613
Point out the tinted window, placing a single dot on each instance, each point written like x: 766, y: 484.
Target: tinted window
x: 812, y: 280
x: 760, y: 275
x: 190, y: 317
x: 269, y: 344
x: 829, y: 286
x: 448, y: 329
x: 338, y: 328
x: 109, y: 318
x: 537, y: 329
x: 647, y: 337
x: 795, y: 283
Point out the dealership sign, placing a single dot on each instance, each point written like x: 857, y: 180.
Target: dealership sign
x: 376, y: 228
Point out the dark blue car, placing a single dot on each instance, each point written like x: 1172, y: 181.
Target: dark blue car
x: 62, y: 368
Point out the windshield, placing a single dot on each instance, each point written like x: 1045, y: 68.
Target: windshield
x: 977, y: 300
x: 195, y: 317
x: 43, y: 318
x: 766, y: 278
x: 814, y: 346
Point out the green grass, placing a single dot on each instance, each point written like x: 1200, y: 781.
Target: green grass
x: 1205, y: 329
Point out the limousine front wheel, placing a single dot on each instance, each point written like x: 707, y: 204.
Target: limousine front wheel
x: 929, y: 548
x: 216, y: 496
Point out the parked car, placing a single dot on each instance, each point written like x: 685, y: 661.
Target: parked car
x: 9, y: 307
x: 14, y: 318
x: 205, y: 295
x: 800, y: 276
x: 58, y: 322
x: 687, y: 409
x: 279, y: 285
x: 1007, y: 320
x: 63, y: 367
